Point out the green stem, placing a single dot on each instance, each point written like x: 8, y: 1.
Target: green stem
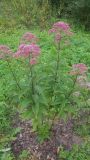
x: 31, y: 74
x: 74, y: 83
x: 32, y: 81
x: 85, y: 100
x: 57, y: 68
x: 14, y: 76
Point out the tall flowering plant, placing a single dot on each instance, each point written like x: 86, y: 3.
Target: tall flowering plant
x: 50, y: 88
x: 28, y: 52
x: 65, y: 84
x: 61, y: 32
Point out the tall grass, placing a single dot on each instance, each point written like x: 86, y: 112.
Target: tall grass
x: 27, y: 12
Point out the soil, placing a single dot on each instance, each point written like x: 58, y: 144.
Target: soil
x: 62, y: 135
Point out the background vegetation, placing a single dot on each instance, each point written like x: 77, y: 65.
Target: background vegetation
x: 41, y: 12
x: 20, y: 16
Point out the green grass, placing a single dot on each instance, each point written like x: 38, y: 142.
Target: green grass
x: 77, y: 52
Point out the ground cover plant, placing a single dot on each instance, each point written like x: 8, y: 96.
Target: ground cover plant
x: 44, y: 77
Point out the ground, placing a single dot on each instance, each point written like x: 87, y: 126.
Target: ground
x: 62, y: 135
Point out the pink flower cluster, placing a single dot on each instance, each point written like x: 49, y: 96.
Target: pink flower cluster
x: 29, y: 38
x: 83, y: 82
x: 28, y: 50
x: 79, y: 69
x: 5, y: 51
x: 61, y: 25
x: 59, y: 29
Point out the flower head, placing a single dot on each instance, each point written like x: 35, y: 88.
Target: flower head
x: 61, y: 26
x: 60, y: 30
x: 5, y: 51
x: 35, y: 49
x: 29, y: 38
x: 52, y: 31
x: 33, y: 61
x: 26, y: 50
x: 79, y: 69
x: 21, y: 46
x: 19, y: 51
x: 57, y: 37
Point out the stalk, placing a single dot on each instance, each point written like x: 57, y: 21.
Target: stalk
x: 57, y: 68
x: 32, y: 80
x: 31, y: 74
x: 74, y: 83
x: 14, y: 76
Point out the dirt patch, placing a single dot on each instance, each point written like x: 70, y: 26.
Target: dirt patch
x: 62, y: 135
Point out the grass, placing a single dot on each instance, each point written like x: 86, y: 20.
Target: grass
x: 78, y: 52
x: 80, y: 49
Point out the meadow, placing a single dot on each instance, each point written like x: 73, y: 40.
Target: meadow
x: 46, y: 93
